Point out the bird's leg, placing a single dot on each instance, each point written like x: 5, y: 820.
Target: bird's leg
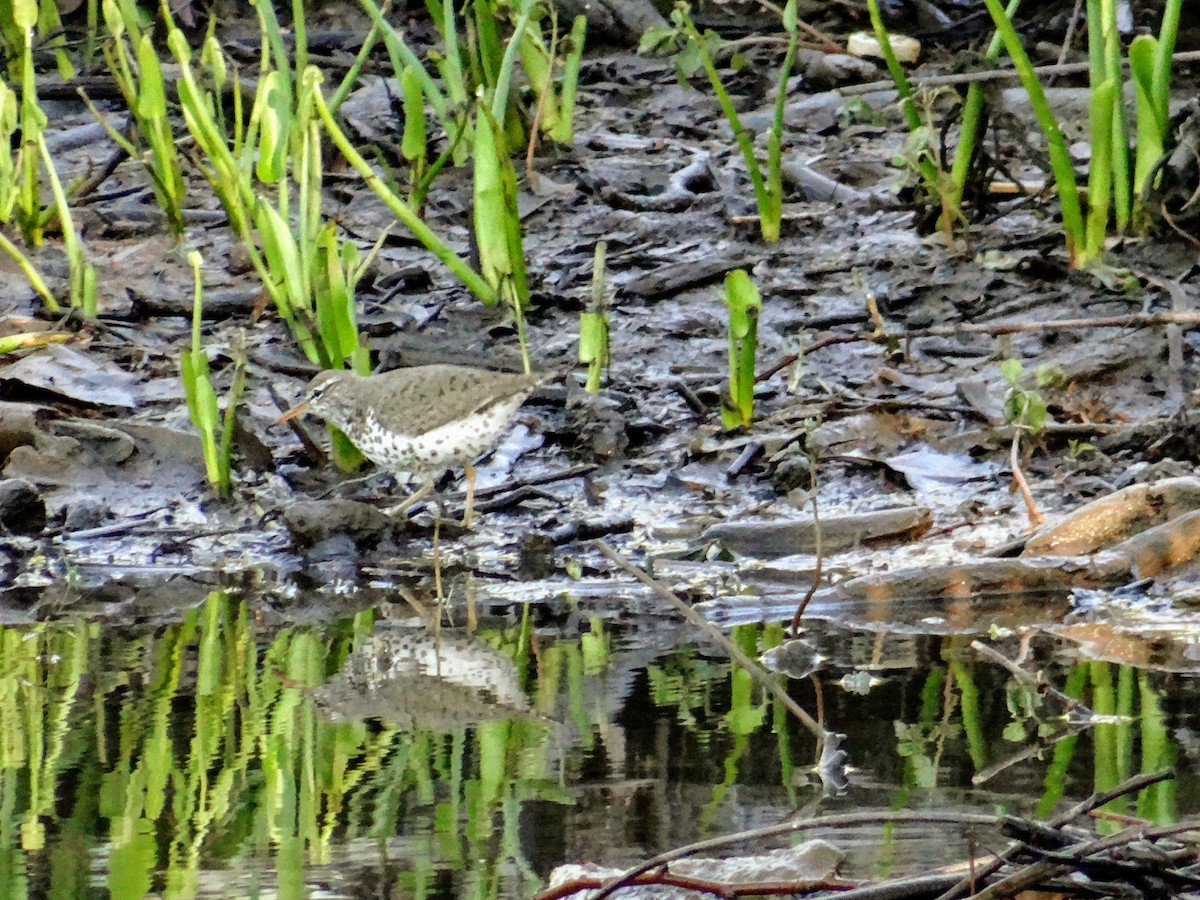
x: 469, y: 471
x: 437, y: 564
x: 419, y: 494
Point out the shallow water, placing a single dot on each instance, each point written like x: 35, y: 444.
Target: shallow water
x: 218, y: 756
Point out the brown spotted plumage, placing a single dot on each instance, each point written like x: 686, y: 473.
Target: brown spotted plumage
x: 421, y: 419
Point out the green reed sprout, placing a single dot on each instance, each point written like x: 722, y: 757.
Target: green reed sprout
x: 1111, y: 188
x: 1111, y: 177
x: 17, y: 17
x: 1060, y: 159
x: 140, y: 79
x: 407, y: 216
x: 744, y: 304
x: 768, y: 187
x: 498, y: 222
x: 922, y: 155
x: 1150, y: 70
x: 970, y: 127
x: 10, y: 192
x: 295, y: 252
x: 414, y: 143
x: 593, y: 325
x: 555, y: 108
x: 31, y: 216
x: 202, y: 398
x: 451, y: 113
x: 81, y: 273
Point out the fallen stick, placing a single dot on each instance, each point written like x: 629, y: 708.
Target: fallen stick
x: 1132, y: 320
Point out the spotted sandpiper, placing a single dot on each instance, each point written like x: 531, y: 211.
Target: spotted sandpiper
x: 419, y: 420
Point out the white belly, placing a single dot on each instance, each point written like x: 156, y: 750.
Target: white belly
x: 456, y: 443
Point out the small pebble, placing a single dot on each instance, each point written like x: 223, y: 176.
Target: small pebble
x: 87, y: 513
x: 22, y: 509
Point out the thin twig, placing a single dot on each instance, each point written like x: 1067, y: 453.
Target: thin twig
x: 1069, y: 37
x: 818, y: 539
x: 1028, y: 751
x: 1039, y: 685
x: 1070, y: 858
x: 1078, y: 68
x: 513, y: 484
x: 816, y: 34
x: 1031, y: 508
x: 1130, y: 785
x: 773, y: 687
x: 846, y: 820
x: 1132, y: 320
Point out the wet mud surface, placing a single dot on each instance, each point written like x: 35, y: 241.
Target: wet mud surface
x: 604, y: 727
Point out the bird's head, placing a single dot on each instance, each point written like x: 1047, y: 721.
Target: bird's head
x: 321, y: 396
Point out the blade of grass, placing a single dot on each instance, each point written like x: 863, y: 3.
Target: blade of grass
x: 1101, y: 170
x: 31, y: 273
x: 1104, y: 58
x: 1060, y: 159
x: 740, y: 134
x: 972, y: 117
x: 563, y: 131
x: 772, y: 218
x: 422, y: 232
x: 402, y: 55
x: 504, y: 78
x: 355, y: 71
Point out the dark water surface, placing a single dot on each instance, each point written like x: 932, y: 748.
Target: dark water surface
x: 221, y: 757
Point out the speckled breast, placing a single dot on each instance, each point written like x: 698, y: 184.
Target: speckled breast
x: 452, y: 444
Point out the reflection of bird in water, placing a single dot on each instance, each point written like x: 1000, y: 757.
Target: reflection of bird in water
x: 414, y: 677
x: 422, y: 419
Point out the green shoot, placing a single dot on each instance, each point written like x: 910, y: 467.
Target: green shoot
x: 1060, y: 159
x: 768, y: 190
x: 969, y: 132
x: 1150, y: 68
x: 1107, y: 124
x: 142, y: 86
x: 554, y: 113
x: 17, y: 17
x: 407, y: 216
x: 563, y: 130
x: 744, y: 304
x: 501, y: 93
x: 450, y: 65
x: 33, y: 123
x: 233, y: 397
x: 10, y: 191
x: 593, y: 325
x: 921, y: 152
x: 23, y: 195
x: 1023, y: 407
x: 452, y: 115
x: 82, y: 274
x: 1111, y: 189
x: 201, y: 398
x: 498, y: 222
x: 413, y: 146
x: 1102, y: 175
x: 772, y: 216
x: 27, y: 340
x: 281, y: 142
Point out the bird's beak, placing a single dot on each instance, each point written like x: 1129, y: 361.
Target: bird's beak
x: 298, y: 410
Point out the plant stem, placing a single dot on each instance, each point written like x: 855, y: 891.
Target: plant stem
x: 1060, y: 159
x: 422, y: 232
